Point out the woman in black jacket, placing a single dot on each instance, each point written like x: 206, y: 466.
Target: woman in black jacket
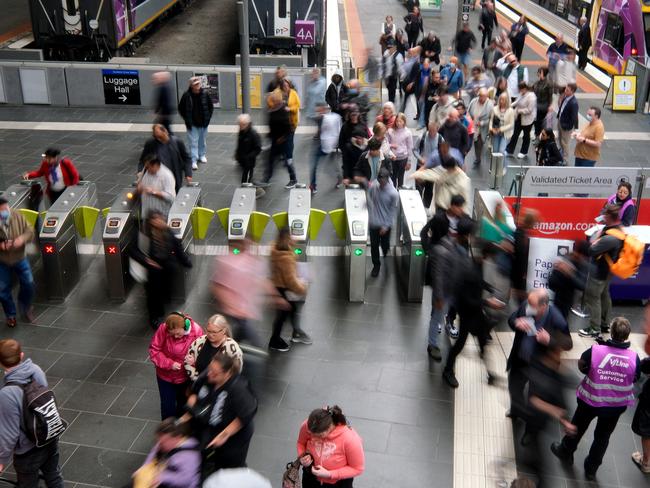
x: 336, y: 92
x: 249, y: 145
x: 413, y: 26
x: 353, y: 139
x: 431, y: 47
x: 548, y: 154
x: 161, y: 260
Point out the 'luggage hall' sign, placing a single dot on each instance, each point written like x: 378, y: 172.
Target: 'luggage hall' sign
x: 121, y: 87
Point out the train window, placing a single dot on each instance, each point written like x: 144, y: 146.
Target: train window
x: 70, y: 7
x: 614, y: 33
x: 282, y: 8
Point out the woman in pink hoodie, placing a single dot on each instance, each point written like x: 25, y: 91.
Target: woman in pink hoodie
x: 330, y: 451
x: 167, y: 351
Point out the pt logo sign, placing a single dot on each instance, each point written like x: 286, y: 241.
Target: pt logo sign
x: 305, y: 32
x: 121, y: 87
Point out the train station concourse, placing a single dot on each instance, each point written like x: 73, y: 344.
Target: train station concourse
x: 452, y: 295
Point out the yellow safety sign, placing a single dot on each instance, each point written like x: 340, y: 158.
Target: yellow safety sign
x: 624, y: 95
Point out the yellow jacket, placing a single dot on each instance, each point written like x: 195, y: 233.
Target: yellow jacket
x: 293, y: 102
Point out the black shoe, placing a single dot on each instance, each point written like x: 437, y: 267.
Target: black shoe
x: 604, y: 329
x: 491, y: 378
x: 375, y: 271
x: 590, y: 476
x: 279, y: 345
x: 561, y: 454
x: 450, y: 378
x: 291, y: 184
x: 434, y: 352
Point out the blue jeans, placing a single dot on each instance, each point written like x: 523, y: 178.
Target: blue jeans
x: 588, y: 163
x: 437, y: 318
x: 26, y: 293
x: 318, y: 155
x: 196, y: 140
x: 421, y: 105
x: 499, y: 143
x: 173, y: 398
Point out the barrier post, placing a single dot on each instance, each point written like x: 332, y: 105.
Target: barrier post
x: 639, y: 194
x: 496, y: 170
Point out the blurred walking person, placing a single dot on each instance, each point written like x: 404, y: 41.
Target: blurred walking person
x: 291, y: 286
x: 400, y: 140
x: 161, y: 257
x: 329, y: 129
x: 281, y: 134
x: 249, y: 146
x: 413, y: 26
x: 163, y: 99
x: 59, y: 173
x: 382, y: 212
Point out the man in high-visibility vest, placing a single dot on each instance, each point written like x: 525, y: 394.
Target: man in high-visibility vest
x: 611, y: 369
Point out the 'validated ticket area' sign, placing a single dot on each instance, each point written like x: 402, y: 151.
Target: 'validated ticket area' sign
x: 121, y: 87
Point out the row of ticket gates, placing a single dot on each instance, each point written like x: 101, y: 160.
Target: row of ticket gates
x: 72, y: 220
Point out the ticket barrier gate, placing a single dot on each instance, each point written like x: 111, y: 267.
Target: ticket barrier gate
x: 241, y: 221
x: 304, y: 222
x: 409, y: 253
x: 18, y: 195
x: 58, y: 238
x: 180, y: 223
x: 119, y: 236
x: 356, y: 211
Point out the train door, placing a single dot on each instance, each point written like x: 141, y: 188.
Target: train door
x: 282, y: 18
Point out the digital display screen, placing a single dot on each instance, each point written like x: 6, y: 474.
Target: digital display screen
x: 297, y: 225
x: 51, y: 222
x: 114, y: 222
x: 237, y: 225
x: 358, y: 229
x: 175, y: 224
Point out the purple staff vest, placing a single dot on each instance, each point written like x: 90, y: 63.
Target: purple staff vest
x: 610, y: 379
x: 628, y: 203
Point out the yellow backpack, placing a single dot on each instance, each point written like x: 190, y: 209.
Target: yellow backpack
x: 630, y: 257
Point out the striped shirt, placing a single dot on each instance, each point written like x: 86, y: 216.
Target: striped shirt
x: 163, y: 181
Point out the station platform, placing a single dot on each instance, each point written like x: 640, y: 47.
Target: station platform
x: 368, y: 358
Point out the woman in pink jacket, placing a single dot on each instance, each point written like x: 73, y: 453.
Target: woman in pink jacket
x: 167, y: 352
x: 330, y: 451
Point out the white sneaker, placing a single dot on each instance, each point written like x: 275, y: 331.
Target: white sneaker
x: 521, y: 156
x: 203, y: 159
x: 195, y: 166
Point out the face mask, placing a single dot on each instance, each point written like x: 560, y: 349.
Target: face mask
x: 4, y: 214
x: 353, y: 91
x: 588, y: 117
x: 452, y: 65
x: 530, y: 311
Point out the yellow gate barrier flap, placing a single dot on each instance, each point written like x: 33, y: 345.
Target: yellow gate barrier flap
x: 316, y: 219
x: 339, y: 221
x: 281, y: 219
x: 105, y: 212
x: 257, y: 225
x: 223, y: 214
x: 85, y: 219
x: 201, y: 218
x: 30, y: 216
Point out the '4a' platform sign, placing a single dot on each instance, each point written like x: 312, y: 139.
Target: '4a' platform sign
x: 121, y: 87
x: 305, y: 32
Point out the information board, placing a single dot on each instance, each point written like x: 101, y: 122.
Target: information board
x: 210, y: 83
x: 121, y: 87
x: 256, y: 90
x: 624, y: 93
x: 305, y: 31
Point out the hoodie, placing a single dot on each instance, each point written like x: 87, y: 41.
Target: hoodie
x: 340, y: 452
x: 284, y: 272
x: 164, y: 351
x: 182, y: 468
x: 12, y: 437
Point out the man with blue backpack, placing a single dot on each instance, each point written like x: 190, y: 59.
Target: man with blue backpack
x: 31, y: 424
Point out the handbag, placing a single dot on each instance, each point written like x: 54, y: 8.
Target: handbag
x: 291, y: 476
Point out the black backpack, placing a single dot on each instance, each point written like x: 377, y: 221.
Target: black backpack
x: 41, y: 418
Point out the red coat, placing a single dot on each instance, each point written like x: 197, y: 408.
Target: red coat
x: 70, y: 173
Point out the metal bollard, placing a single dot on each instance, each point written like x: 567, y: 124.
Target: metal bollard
x: 496, y: 170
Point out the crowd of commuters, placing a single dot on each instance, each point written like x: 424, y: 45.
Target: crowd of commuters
x: 475, y: 270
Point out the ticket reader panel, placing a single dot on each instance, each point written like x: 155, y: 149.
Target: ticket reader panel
x: 409, y: 253
x: 298, y: 215
x: 119, y: 236
x: 180, y: 223
x: 356, y: 210
x: 239, y: 217
x: 58, y: 240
